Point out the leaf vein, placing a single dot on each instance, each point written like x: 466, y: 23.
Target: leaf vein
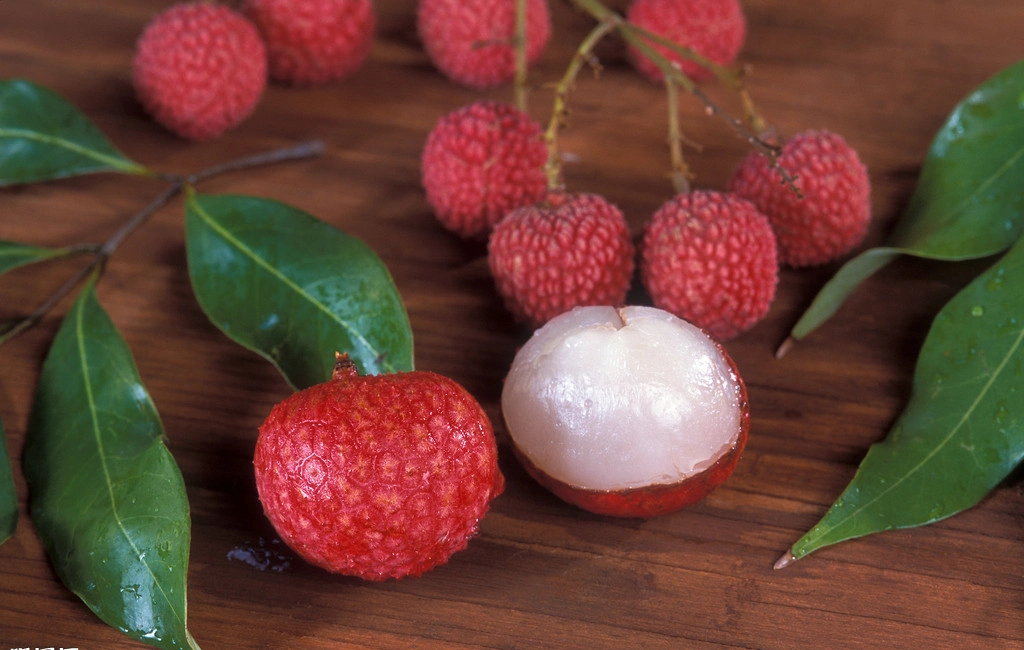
x: 284, y: 279
x: 963, y: 421
x: 116, y: 162
x: 104, y: 463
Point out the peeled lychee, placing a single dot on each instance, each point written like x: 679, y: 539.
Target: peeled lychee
x: 479, y: 162
x: 714, y: 29
x: 711, y: 258
x: 570, y: 250
x: 628, y: 411
x: 472, y: 41
x: 830, y: 214
x: 381, y: 476
x: 313, y: 42
x: 199, y: 69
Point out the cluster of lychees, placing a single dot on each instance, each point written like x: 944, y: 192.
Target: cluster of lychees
x: 709, y: 256
x: 200, y: 68
x: 420, y: 464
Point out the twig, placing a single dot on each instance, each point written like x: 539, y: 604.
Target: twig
x: 560, y: 111
x: 101, y: 254
x: 300, y: 151
x: 643, y: 41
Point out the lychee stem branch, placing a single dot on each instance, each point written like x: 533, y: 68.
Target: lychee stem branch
x: 560, y: 111
x: 102, y: 253
x: 520, y: 45
x: 733, y: 77
x: 680, y: 170
x: 642, y: 40
x: 632, y: 35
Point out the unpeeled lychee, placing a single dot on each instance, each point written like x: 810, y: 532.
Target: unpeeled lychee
x: 313, y: 42
x: 379, y: 477
x: 570, y: 250
x: 629, y: 412
x: 472, y: 41
x: 710, y: 257
x: 479, y: 162
x: 199, y: 69
x: 714, y: 29
x: 830, y: 214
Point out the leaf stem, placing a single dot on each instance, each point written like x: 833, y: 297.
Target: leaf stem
x: 102, y: 253
x: 784, y: 561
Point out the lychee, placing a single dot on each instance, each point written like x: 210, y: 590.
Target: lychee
x: 472, y: 41
x: 572, y: 249
x: 377, y: 476
x: 481, y: 161
x: 714, y: 29
x: 629, y: 412
x: 199, y: 69
x: 830, y: 214
x: 313, y: 42
x: 711, y: 258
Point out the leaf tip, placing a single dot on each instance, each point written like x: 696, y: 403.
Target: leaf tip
x: 784, y: 561
x: 785, y: 347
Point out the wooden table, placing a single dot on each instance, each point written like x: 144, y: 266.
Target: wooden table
x: 541, y: 574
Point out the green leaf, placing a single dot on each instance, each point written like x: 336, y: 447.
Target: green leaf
x: 14, y: 254
x: 43, y: 137
x: 294, y: 289
x: 968, y: 202
x: 961, y: 433
x: 8, y: 494
x: 105, y: 494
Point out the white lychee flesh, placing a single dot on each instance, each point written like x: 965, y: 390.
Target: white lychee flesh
x: 605, y: 398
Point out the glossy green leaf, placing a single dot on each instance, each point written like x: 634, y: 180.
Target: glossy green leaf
x: 968, y: 202
x: 15, y: 254
x: 43, y: 136
x: 294, y: 289
x: 961, y: 433
x: 105, y: 494
x: 8, y: 493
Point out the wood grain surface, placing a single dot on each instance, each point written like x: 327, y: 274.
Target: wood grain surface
x: 541, y: 574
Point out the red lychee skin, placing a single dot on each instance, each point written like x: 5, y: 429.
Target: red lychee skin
x: 470, y: 41
x: 710, y: 258
x: 659, y: 498
x: 481, y: 161
x: 571, y: 250
x: 199, y: 69
x: 832, y: 216
x: 313, y: 42
x: 380, y: 476
x: 714, y: 29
